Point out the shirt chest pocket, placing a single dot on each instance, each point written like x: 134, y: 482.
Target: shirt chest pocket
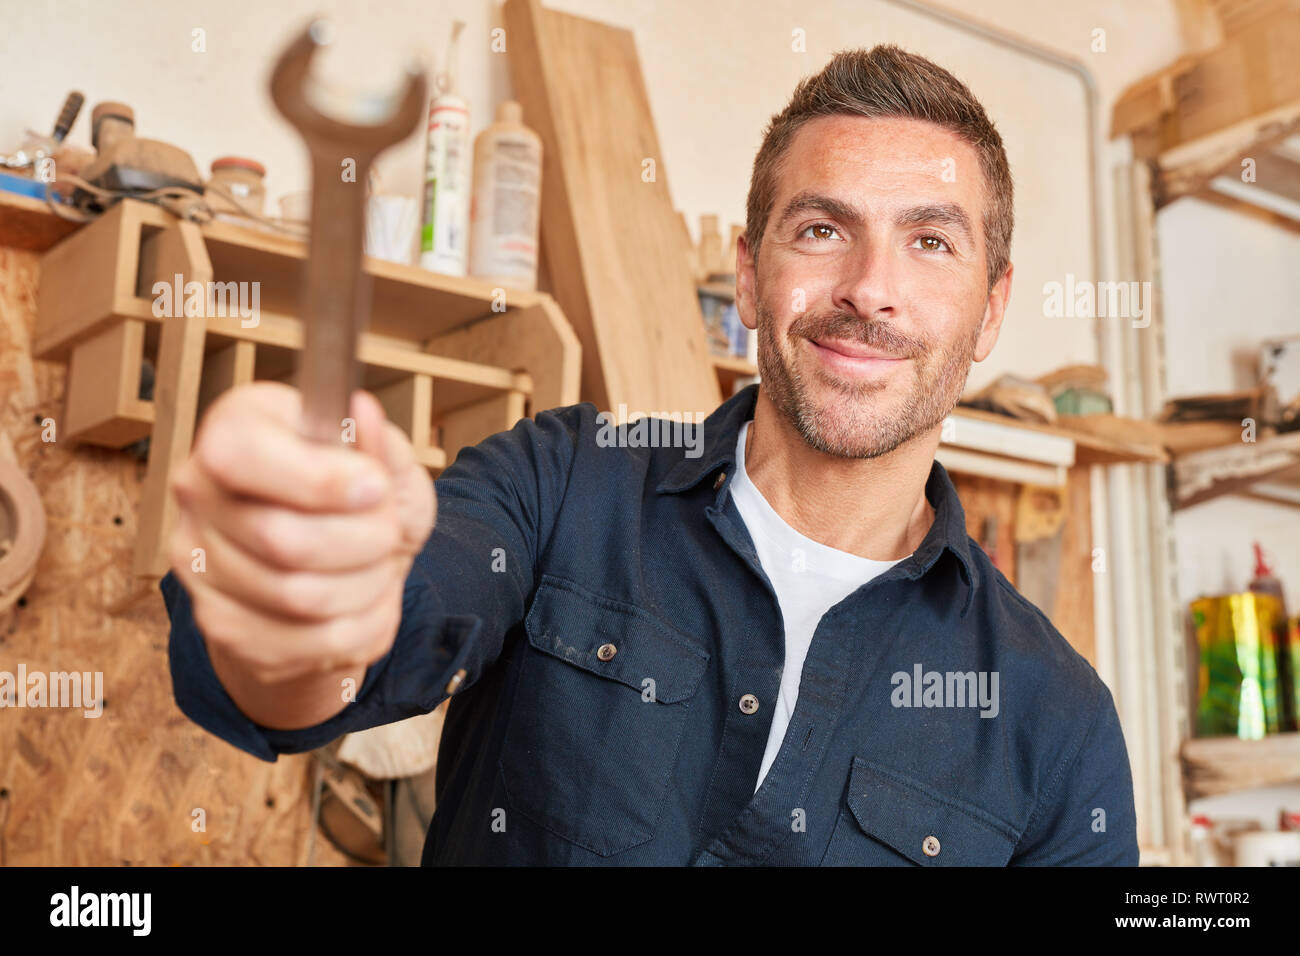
x: 892, y: 820
x: 597, y: 717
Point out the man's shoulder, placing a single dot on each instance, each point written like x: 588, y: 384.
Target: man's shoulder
x: 604, y: 441
x: 546, y: 441
x: 564, y: 421
x: 580, y: 447
x: 672, y: 433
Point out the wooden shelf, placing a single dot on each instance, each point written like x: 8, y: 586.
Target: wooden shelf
x: 1267, y: 468
x: 997, y: 446
x: 1215, y: 765
x: 452, y: 360
x: 731, y: 368
x: 1212, y: 171
x: 726, y: 291
x: 1223, y: 124
x: 1093, y: 436
x: 407, y: 301
x: 1114, y: 440
x: 27, y: 223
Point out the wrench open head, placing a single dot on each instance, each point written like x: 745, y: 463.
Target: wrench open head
x: 335, y: 293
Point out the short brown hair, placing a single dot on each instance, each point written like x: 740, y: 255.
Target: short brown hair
x: 888, y: 81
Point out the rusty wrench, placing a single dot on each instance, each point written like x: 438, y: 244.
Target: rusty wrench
x: 335, y: 292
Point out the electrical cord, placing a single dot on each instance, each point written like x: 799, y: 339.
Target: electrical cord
x: 180, y: 202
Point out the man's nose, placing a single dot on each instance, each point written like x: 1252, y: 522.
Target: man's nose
x: 868, y: 281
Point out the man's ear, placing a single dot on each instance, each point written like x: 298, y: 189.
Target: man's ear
x: 994, y: 312
x: 745, y: 282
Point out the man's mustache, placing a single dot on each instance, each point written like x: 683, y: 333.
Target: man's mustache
x: 873, y: 333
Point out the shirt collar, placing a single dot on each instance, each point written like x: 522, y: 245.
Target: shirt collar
x: 722, y: 430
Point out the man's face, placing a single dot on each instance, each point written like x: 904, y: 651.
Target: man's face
x: 871, y: 293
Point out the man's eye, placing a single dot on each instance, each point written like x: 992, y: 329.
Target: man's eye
x: 933, y: 244
x: 821, y: 231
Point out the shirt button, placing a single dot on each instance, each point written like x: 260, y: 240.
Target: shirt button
x: 722, y: 476
x: 606, y: 651
x: 930, y: 846
x: 748, y: 704
x: 457, y: 679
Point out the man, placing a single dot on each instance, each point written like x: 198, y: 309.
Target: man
x: 784, y: 650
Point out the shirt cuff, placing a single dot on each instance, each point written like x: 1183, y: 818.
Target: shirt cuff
x: 430, y: 646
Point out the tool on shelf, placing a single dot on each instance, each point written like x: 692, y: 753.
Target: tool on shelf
x: 37, y: 147
x: 129, y: 165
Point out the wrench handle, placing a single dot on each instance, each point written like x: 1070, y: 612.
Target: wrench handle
x: 336, y: 296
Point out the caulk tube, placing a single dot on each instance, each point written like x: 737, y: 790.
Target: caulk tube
x: 444, y: 233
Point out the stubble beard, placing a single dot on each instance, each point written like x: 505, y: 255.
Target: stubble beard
x: 845, y: 418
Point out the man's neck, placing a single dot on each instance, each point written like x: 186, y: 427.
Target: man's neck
x: 872, y: 507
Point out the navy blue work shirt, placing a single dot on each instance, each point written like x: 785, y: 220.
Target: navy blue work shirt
x: 609, y: 613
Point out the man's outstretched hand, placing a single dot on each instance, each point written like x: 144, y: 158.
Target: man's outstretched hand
x: 295, y: 553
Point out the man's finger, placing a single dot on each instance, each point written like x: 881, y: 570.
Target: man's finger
x: 287, y: 538
x: 262, y: 458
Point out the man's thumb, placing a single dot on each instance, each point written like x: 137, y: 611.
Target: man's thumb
x: 370, y: 420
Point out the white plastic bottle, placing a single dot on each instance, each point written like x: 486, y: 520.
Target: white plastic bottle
x: 444, y: 232
x: 507, y: 200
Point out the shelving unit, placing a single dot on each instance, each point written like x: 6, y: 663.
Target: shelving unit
x: 1029, y: 452
x: 1269, y: 468
x: 452, y: 360
x: 1215, y: 765
x: 28, y: 224
x: 1224, y: 125
x: 1221, y: 125
x: 730, y: 369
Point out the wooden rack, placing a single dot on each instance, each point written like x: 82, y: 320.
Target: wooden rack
x: 451, y: 359
x: 1224, y: 124
x: 1267, y: 469
x: 1215, y: 765
x: 1221, y: 125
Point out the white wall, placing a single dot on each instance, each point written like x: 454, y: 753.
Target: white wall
x: 1230, y: 281
x: 715, y: 73
x: 1213, y: 542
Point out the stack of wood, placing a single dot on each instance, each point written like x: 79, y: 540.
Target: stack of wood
x: 1205, y: 421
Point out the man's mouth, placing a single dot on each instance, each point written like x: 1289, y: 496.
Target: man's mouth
x: 854, y: 350
x: 854, y: 358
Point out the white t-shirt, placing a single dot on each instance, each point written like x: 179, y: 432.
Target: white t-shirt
x: 809, y: 579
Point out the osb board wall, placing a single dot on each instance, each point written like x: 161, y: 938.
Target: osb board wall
x: 1072, y: 612
x: 120, y: 788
